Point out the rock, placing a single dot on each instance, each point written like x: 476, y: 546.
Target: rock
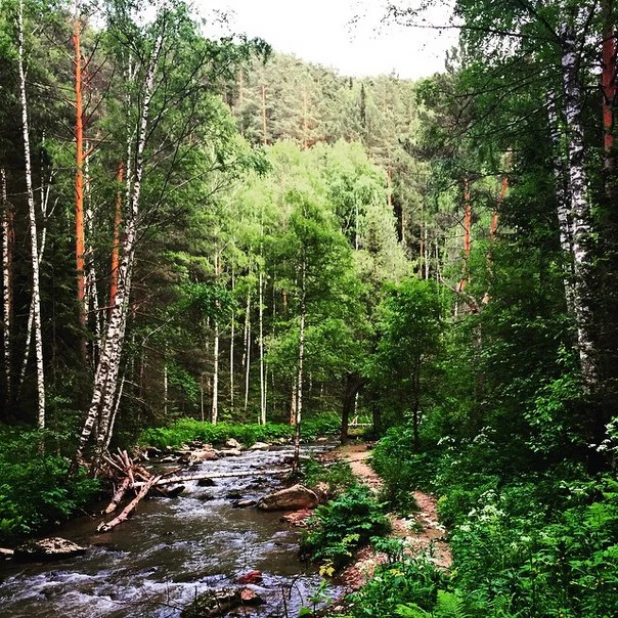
x: 52, y: 548
x: 260, y: 446
x: 233, y: 444
x: 206, y: 483
x: 298, y: 518
x: 168, y: 459
x: 174, y: 492
x: 250, y: 597
x: 5, y: 554
x: 152, y: 451
x: 206, y: 498
x: 322, y: 440
x: 231, y: 452
x: 234, y: 494
x: 244, y: 504
x: 252, y: 577
x: 203, y: 455
x: 220, y: 603
x: 290, y: 499
x: 322, y: 491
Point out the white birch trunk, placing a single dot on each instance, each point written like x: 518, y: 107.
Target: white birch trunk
x: 562, y: 199
x: 232, y: 336
x: 262, y: 375
x: 247, y: 355
x: 580, y: 209
x: 6, y: 287
x: 105, y: 384
x: 34, y: 242
x: 301, y: 358
x: 214, y: 415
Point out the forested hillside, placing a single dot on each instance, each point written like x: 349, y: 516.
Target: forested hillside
x: 211, y: 230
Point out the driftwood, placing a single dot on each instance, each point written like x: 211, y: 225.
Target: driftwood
x: 106, y: 527
x: 210, y: 475
x: 118, y: 495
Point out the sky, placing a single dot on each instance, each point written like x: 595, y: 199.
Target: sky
x: 321, y: 31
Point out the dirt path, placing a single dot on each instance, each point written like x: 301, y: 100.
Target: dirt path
x: 421, y: 531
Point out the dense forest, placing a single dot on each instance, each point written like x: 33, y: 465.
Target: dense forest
x: 203, y: 232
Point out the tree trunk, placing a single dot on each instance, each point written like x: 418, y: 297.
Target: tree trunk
x: 580, y: 210
x: 232, y: 337
x: 352, y: 386
x: 113, y: 284
x: 301, y: 358
x: 34, y: 242
x: 609, y: 88
x: 7, y: 309
x: 262, y: 375
x: 467, y: 236
x: 105, y: 384
x: 264, y: 126
x: 247, y: 353
x: 80, y: 245
x: 214, y: 414
x: 562, y: 200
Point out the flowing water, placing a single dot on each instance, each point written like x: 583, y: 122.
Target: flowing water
x: 170, y: 551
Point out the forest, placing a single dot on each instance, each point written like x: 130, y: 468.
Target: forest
x: 210, y: 242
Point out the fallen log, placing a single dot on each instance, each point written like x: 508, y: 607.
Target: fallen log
x: 118, y: 495
x: 210, y: 475
x: 107, y: 526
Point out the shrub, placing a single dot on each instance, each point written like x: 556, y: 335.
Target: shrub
x: 343, y: 525
x: 338, y: 476
x: 35, y: 490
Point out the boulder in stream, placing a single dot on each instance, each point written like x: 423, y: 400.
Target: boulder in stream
x: 230, y: 452
x: 233, y: 443
x: 206, y: 483
x: 220, y: 602
x: 243, y: 504
x: 206, y: 454
x: 291, y: 499
x: 52, y: 548
x: 260, y: 446
x: 5, y: 554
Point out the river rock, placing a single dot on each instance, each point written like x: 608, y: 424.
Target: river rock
x: 206, y: 483
x: 220, y: 603
x: 5, y: 554
x: 152, y: 451
x: 52, y: 548
x: 260, y: 446
x: 244, y: 504
x: 291, y: 499
x: 230, y: 452
x: 252, y: 577
x: 203, y: 455
x: 233, y: 444
x: 234, y: 494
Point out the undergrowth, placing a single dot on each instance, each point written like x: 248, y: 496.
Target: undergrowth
x: 35, y: 490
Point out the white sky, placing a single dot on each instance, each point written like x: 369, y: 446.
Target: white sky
x: 319, y: 31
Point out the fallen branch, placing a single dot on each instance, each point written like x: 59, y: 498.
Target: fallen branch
x: 200, y: 477
x: 118, y: 495
x: 106, y: 527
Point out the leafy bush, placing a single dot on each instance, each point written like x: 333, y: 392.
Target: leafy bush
x: 343, y: 525
x: 338, y: 476
x: 35, y: 490
x: 187, y: 429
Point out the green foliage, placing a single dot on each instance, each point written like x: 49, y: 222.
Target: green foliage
x: 343, y: 525
x: 35, y: 490
x: 338, y: 475
x: 187, y: 430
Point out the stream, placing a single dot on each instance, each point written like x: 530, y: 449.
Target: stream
x: 156, y: 563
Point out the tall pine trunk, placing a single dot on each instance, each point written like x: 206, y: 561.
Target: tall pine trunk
x: 80, y: 244
x: 34, y: 242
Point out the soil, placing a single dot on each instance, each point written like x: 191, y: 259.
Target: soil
x: 421, y: 530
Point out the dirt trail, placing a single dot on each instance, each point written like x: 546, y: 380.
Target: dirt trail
x: 421, y: 531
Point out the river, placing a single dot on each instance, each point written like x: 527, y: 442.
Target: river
x: 170, y: 551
